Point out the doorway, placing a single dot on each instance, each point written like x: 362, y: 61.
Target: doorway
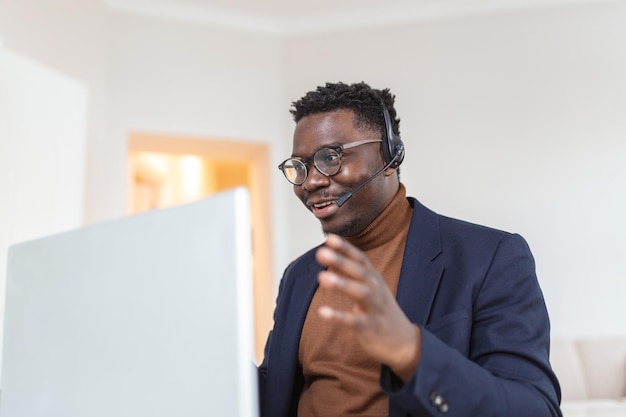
x: 167, y: 170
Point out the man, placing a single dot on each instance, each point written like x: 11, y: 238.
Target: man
x: 402, y: 312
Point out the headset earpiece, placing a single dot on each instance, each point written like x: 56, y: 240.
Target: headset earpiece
x: 392, y: 146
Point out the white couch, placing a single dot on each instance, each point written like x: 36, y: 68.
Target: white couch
x: 592, y: 373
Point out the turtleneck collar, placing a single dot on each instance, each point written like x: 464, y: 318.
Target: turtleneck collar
x: 389, y: 223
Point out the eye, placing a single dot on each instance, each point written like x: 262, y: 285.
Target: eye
x: 329, y: 157
x: 332, y: 157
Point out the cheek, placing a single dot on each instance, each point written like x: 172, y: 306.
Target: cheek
x: 352, y: 175
x: 297, y: 190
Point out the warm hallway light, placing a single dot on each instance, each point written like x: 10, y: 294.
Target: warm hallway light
x: 169, y: 170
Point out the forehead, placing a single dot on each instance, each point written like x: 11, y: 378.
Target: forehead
x: 322, y: 129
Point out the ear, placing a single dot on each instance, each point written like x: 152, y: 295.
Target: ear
x: 390, y: 171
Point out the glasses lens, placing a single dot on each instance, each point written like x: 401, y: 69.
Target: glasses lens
x: 294, y: 170
x: 328, y: 161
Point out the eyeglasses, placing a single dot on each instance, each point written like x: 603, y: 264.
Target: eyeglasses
x: 327, y: 160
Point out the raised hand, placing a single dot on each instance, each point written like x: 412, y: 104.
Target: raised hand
x: 379, y: 323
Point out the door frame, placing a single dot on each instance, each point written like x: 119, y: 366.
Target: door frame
x: 257, y: 156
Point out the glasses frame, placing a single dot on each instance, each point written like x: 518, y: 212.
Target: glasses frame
x: 307, y: 161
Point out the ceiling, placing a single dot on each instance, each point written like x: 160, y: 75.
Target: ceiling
x: 299, y: 16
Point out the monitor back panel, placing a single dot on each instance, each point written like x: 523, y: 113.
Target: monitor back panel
x: 149, y: 315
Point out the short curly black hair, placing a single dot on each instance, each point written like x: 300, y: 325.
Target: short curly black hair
x: 362, y: 99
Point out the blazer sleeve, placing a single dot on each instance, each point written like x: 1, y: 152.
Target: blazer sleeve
x: 262, y: 370
x: 507, y: 371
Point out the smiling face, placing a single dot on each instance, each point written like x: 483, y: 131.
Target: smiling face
x: 319, y: 192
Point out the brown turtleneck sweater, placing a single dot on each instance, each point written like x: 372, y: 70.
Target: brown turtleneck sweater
x: 340, y: 380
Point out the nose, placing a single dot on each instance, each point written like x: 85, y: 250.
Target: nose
x: 315, y: 179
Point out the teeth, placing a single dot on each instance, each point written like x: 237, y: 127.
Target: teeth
x: 320, y: 205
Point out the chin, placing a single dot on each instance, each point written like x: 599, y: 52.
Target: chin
x: 344, y: 230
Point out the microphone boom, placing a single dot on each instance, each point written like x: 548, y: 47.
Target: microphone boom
x: 342, y: 200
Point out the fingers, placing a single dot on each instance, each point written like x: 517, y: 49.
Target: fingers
x: 342, y: 257
x: 349, y: 319
x: 349, y: 272
x: 345, y: 248
x: 381, y: 327
x: 357, y: 291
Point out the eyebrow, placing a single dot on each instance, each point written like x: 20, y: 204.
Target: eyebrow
x: 330, y: 145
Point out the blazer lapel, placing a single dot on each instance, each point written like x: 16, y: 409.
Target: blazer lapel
x: 305, y: 284
x: 422, y: 267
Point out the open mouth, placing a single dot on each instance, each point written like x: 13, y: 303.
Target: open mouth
x: 323, y: 209
x: 322, y: 205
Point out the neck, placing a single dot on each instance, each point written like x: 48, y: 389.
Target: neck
x: 394, y: 217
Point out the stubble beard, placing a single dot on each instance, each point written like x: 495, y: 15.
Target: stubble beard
x: 349, y: 229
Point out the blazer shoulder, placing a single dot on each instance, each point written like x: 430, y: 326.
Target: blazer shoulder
x: 454, y: 232
x: 459, y: 227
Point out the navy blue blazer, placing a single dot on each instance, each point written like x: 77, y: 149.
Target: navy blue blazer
x: 485, y: 329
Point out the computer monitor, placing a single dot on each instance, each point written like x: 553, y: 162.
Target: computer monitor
x: 149, y: 315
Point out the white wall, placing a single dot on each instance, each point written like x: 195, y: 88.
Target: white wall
x: 42, y: 137
x: 516, y: 121
x: 139, y: 74
x: 186, y: 78
x: 154, y: 75
x: 69, y: 36
x: 510, y: 120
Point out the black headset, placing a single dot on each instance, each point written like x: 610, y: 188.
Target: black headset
x: 392, y: 146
